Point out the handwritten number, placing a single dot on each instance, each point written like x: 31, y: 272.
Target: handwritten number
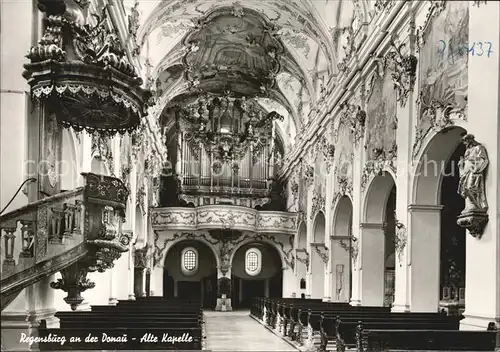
x: 471, y: 50
x: 444, y: 48
x: 481, y: 48
x: 489, y: 48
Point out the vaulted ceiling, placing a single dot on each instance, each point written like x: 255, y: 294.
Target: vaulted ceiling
x: 281, y: 51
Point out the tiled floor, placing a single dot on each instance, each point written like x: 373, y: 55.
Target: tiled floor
x: 237, y: 331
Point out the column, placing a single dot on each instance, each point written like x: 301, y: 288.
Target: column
x: 112, y: 288
x: 482, y: 288
x: 115, y: 145
x: 404, y: 137
x: 310, y: 249
x: 157, y: 281
x: 424, y: 251
x: 372, y: 264
x: 340, y: 249
x: 143, y: 285
x: 240, y: 291
x: 224, y: 296
x: 356, y: 220
x: 289, y: 282
x: 329, y: 268
x: 18, y: 125
x: 266, y: 287
x: 131, y: 270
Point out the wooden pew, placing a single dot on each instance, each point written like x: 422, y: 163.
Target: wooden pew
x: 348, y: 330
x: 428, y: 340
x: 144, y: 324
x: 303, y: 318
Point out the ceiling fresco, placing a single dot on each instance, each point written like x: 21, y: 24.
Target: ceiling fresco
x: 290, y: 47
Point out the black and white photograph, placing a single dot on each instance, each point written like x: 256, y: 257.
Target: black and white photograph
x: 250, y: 175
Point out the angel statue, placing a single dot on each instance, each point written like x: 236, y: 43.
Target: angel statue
x: 472, y: 168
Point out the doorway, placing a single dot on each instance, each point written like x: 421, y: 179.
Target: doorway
x: 190, y: 290
x: 251, y: 289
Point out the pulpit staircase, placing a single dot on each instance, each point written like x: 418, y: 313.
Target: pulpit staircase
x: 75, y: 232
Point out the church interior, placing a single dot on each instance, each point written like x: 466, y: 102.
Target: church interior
x: 299, y: 175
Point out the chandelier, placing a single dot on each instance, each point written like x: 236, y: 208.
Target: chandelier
x: 228, y: 127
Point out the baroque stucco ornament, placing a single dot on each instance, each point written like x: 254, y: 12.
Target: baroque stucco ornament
x: 322, y: 251
x: 352, y: 248
x: 105, y: 200
x: 302, y: 255
x: 355, y: 117
x: 82, y: 73
x: 471, y: 187
x: 318, y: 204
x: 327, y: 149
x: 404, y: 71
x: 400, y: 240
x: 308, y: 175
x: 382, y: 161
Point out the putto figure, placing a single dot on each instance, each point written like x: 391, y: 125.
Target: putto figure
x: 472, y: 171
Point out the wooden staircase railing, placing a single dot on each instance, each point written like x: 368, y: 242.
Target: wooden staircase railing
x: 74, y: 232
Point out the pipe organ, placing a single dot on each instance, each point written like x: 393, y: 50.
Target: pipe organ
x: 226, y: 149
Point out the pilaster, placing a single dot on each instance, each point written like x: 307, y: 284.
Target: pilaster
x: 424, y: 252
x: 329, y: 272
x: 310, y: 239
x: 482, y: 287
x: 372, y: 249
x: 406, y: 114
x: 356, y: 221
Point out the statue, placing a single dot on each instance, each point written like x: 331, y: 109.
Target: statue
x: 472, y: 168
x: 277, y: 200
x: 225, y: 258
x: 171, y: 190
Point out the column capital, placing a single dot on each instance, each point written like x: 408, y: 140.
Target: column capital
x: 371, y: 225
x: 428, y: 208
x: 340, y: 237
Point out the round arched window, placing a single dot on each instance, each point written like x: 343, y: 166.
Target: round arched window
x: 253, y: 261
x: 189, y: 261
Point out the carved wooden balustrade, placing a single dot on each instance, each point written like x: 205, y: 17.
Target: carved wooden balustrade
x: 219, y: 216
x: 74, y: 232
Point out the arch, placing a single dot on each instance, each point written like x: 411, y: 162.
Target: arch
x: 429, y: 215
x: 267, y: 280
x: 301, y: 238
x: 260, y: 240
x: 317, y: 264
x: 341, y: 283
x: 342, y: 217
x: 437, y: 149
x: 199, y: 283
x: 189, y: 257
x: 178, y: 240
x: 253, y: 256
x: 376, y: 198
x: 319, y: 228
x: 376, y: 240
